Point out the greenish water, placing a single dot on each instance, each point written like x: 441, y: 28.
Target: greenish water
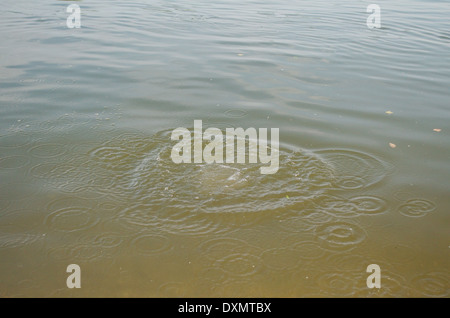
x: 85, y: 170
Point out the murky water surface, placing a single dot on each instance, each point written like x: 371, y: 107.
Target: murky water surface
x: 86, y: 175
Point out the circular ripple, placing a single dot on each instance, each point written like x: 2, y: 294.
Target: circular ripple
x: 195, y: 198
x: 316, y: 216
x: 391, y: 286
x: 211, y: 198
x: 140, y: 216
x: 68, y: 201
x: 212, y: 276
x: 47, y: 151
x: 240, y: 264
x: 369, y: 204
x: 337, y: 207
x: 340, y: 235
x: 13, y: 162
x: 114, y: 157
x: 350, y: 182
x: 71, y: 219
x: 104, y: 240
x: 107, y: 206
x: 338, y: 284
x: 235, y: 113
x: 151, y: 244
x: 353, y: 169
x: 180, y: 221
x: 233, y: 187
x: 417, y: 208
x: 88, y: 253
x: 434, y: 284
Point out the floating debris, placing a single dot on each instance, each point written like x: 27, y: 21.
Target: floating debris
x: 437, y: 129
x: 392, y: 145
x: 389, y: 112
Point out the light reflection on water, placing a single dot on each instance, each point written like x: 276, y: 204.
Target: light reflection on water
x: 86, y: 175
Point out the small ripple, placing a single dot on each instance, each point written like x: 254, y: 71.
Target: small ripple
x: 369, y: 205
x: 236, y: 113
x: 340, y: 235
x: 48, y: 150
x: 316, y: 216
x: 433, y: 284
x: 240, y: 264
x: 353, y: 207
x: 180, y: 221
x: 63, y: 202
x: 417, y: 208
x: 71, y: 219
x: 139, y: 215
x: 391, y: 286
x: 104, y: 240
x: 338, y: 207
x: 341, y: 284
x: 88, y: 253
x: 150, y: 244
x: 350, y: 182
x: 227, y: 186
x: 113, y: 157
x: 212, y: 276
x: 107, y: 206
x: 355, y: 170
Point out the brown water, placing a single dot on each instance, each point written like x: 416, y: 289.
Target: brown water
x: 85, y: 170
